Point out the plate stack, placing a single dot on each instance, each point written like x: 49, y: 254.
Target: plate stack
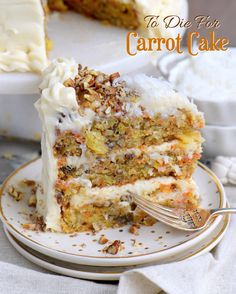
x: 220, y: 130
x: 82, y: 255
x: 209, y: 80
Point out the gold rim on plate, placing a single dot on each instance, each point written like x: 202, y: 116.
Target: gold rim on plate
x: 101, y: 270
x: 4, y: 185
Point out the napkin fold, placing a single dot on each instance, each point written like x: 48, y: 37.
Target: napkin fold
x: 225, y: 169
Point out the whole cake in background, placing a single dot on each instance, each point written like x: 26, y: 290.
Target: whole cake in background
x: 23, y: 25
x: 130, y: 14
x: 22, y: 36
x: 106, y: 138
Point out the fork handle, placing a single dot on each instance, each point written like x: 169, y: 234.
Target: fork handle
x: 215, y: 212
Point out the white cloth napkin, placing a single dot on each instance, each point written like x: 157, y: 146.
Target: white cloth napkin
x: 18, y: 280
x: 225, y: 169
x: 19, y: 276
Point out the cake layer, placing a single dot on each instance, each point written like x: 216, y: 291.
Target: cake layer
x: 111, y: 134
x: 129, y: 165
x: 113, y: 205
x: 128, y: 172
x: 129, y: 132
x: 92, y: 217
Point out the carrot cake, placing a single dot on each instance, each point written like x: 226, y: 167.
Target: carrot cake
x: 22, y: 36
x: 106, y: 138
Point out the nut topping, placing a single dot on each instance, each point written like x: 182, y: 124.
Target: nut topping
x: 32, y: 201
x: 102, y: 240
x: 134, y: 229
x: 91, y: 86
x: 17, y: 195
x: 114, y: 76
x: 114, y: 248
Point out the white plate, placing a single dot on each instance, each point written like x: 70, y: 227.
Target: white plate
x: 112, y: 273
x: 158, y: 241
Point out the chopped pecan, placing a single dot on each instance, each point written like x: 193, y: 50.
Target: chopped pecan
x: 32, y: 201
x: 17, y: 195
x: 69, y: 83
x: 31, y: 227
x: 114, y: 248
x: 102, y: 240
x: 29, y: 183
x: 134, y: 229
x: 114, y: 76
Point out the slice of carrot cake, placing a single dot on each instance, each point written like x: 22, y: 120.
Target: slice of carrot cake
x: 106, y: 138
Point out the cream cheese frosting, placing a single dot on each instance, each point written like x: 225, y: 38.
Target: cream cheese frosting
x: 54, y: 99
x: 140, y: 187
x: 22, y: 36
x: 157, y: 95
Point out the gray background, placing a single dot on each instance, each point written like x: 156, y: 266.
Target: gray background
x: 223, y: 10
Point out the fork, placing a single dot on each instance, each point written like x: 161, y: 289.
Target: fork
x: 182, y: 219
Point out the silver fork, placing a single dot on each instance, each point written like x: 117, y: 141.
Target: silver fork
x: 187, y: 220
